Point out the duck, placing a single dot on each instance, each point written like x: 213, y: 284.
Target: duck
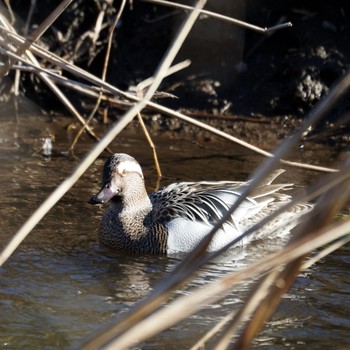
x: 176, y: 218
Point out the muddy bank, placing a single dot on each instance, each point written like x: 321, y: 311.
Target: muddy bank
x: 234, y: 71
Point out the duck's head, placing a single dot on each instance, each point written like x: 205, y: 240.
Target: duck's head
x: 117, y: 169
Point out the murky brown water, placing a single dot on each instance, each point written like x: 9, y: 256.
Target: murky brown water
x: 60, y: 286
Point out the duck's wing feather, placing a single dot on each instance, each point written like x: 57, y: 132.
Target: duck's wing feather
x: 208, y: 201
x: 199, y: 201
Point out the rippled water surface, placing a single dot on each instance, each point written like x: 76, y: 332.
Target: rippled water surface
x: 60, y: 287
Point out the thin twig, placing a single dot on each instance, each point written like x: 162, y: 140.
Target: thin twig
x: 151, y: 144
x: 46, y: 80
x: 265, y: 307
x: 200, y: 344
x: 257, y: 295
x: 110, y: 38
x: 29, y: 16
x: 37, y: 33
x: 222, y: 17
x: 147, y: 82
x: 104, y: 72
x: 324, y: 252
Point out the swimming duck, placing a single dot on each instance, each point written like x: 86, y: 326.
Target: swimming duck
x: 175, y: 218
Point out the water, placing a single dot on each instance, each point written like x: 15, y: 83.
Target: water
x: 60, y: 287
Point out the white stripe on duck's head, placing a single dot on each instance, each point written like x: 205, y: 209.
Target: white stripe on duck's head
x: 120, y: 163
x: 116, y: 167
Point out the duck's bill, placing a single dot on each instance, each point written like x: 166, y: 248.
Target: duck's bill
x: 103, y: 196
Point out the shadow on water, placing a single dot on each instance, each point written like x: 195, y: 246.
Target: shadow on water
x: 60, y: 286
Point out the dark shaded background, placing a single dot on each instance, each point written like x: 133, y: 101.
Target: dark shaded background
x: 233, y: 69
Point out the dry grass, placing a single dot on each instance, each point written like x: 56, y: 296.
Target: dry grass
x: 273, y: 275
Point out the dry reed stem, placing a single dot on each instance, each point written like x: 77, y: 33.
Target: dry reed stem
x: 179, y: 276
x: 262, y: 311
x: 37, y: 33
x: 151, y: 144
x: 329, y: 203
x: 223, y: 18
x: 267, y: 306
x: 342, y: 194
x: 104, y: 73
x: 200, y: 344
x: 327, y: 183
x: 188, y: 267
x: 195, y: 122
x: 29, y: 16
x: 197, y: 257
x: 172, y: 70
x: 262, y: 314
x: 59, y: 192
x: 107, y: 87
x: 327, y: 206
x: 305, y: 265
x: 9, y: 9
x: 88, y: 120
x: 324, y: 252
x: 269, y: 164
x: 48, y: 82
x: 126, y: 333
x: 110, y: 38
x: 33, y: 37
x: 257, y: 295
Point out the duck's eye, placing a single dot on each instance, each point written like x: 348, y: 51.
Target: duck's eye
x: 124, y: 171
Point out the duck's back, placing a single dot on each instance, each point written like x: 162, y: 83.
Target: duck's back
x: 190, y: 210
